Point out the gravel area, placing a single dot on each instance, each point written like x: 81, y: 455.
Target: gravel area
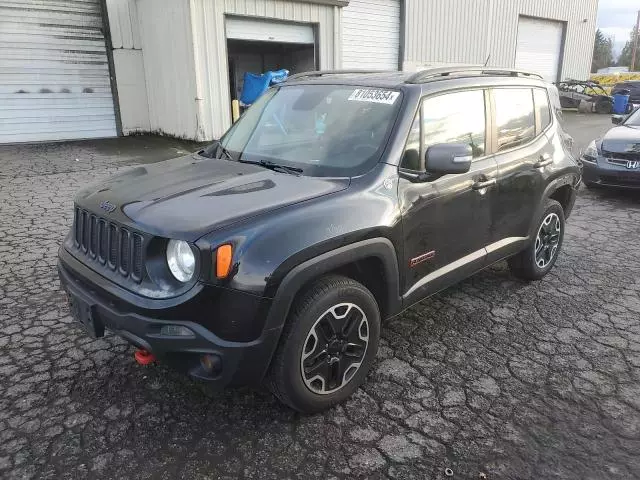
x: 492, y: 377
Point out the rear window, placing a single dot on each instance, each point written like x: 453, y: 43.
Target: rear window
x: 542, y: 107
x: 515, y: 120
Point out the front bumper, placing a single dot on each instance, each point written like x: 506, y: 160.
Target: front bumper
x: 607, y: 175
x: 241, y: 363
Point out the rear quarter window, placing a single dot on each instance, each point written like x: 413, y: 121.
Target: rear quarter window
x: 543, y: 111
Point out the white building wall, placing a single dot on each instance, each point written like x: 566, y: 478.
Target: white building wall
x: 468, y: 31
x: 210, y: 49
x: 129, y: 65
x: 167, y: 44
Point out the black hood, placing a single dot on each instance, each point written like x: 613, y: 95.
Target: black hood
x: 622, y: 139
x: 186, y: 197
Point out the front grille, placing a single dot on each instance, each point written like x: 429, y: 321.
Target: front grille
x: 109, y: 244
x: 617, y: 162
x: 620, y: 156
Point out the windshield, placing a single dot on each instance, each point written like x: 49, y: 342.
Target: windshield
x: 633, y: 120
x: 325, y: 130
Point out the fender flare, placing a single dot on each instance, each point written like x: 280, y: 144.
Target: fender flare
x: 563, y: 180
x: 378, y: 247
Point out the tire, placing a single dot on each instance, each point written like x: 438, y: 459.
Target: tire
x: 604, y: 106
x: 549, y: 234
x: 589, y: 185
x: 309, y: 330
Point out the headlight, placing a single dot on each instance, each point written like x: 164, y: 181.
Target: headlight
x: 181, y: 260
x: 591, y: 153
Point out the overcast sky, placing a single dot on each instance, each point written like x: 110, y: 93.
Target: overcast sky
x: 616, y: 18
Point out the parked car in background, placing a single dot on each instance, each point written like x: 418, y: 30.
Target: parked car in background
x: 633, y: 86
x: 614, y: 160
x: 336, y: 201
x: 573, y: 92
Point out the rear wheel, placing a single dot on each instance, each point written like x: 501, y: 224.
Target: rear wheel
x: 328, y: 345
x: 536, y: 261
x: 604, y: 106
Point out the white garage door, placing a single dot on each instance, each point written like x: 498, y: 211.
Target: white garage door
x: 539, y: 47
x: 54, y: 74
x: 262, y: 31
x: 371, y: 34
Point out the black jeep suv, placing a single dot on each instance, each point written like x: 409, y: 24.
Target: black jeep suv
x: 337, y: 200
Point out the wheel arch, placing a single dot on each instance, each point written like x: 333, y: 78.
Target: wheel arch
x: 359, y: 261
x: 562, y: 190
x: 564, y: 195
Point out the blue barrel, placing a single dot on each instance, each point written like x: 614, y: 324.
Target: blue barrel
x: 620, y: 102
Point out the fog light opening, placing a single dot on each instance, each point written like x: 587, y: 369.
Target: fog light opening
x: 176, y: 331
x: 211, y: 363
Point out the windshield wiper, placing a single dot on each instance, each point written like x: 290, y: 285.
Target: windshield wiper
x: 224, y: 151
x: 274, y: 166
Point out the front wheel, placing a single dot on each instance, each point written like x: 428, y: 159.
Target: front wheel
x: 328, y: 345
x: 536, y: 261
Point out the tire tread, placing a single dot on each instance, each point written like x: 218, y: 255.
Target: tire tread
x: 274, y: 380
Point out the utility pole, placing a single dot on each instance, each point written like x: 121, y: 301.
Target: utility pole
x: 635, y: 44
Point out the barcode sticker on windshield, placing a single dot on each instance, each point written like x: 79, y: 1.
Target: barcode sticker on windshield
x: 374, y: 95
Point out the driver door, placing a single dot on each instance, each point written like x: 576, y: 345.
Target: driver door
x: 447, y: 219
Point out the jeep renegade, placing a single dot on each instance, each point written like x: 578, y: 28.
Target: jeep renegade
x: 336, y: 201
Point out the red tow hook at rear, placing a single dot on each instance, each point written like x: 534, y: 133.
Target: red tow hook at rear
x: 144, y: 358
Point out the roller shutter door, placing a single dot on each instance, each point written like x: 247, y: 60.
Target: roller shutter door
x: 54, y: 79
x: 539, y: 47
x: 265, y: 31
x: 371, y: 34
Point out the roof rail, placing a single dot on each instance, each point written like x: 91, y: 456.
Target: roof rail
x: 319, y: 73
x: 434, y: 73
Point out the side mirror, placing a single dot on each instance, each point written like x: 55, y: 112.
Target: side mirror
x: 617, y: 119
x: 449, y: 158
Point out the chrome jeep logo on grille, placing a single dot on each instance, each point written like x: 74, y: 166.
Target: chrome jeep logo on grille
x: 107, y: 206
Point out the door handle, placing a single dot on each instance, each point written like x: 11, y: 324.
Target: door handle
x: 545, y: 159
x: 480, y: 184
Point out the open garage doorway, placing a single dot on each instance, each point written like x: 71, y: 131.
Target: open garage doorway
x: 256, y: 46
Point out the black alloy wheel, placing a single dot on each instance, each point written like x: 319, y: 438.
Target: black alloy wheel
x: 334, y: 348
x: 547, y: 240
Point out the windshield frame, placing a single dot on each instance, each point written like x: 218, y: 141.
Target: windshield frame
x: 319, y: 170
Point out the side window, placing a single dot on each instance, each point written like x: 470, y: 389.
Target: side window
x: 514, y: 117
x: 411, y: 159
x: 542, y: 107
x: 455, y: 118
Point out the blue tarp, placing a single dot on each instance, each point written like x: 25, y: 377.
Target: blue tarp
x: 255, y: 85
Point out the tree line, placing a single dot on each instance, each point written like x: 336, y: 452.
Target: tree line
x: 603, y: 52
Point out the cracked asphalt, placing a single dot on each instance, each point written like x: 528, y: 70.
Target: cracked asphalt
x: 492, y: 377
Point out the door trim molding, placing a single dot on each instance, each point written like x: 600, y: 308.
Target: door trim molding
x: 461, y: 262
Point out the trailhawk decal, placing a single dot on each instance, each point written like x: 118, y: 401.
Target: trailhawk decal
x: 374, y: 96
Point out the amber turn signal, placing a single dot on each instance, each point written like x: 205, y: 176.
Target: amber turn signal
x: 223, y: 261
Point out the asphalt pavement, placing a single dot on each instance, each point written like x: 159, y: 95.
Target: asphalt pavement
x: 492, y: 377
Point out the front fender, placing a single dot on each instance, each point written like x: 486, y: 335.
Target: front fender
x: 297, y: 277
x: 380, y: 248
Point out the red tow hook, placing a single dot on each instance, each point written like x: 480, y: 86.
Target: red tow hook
x: 144, y: 358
